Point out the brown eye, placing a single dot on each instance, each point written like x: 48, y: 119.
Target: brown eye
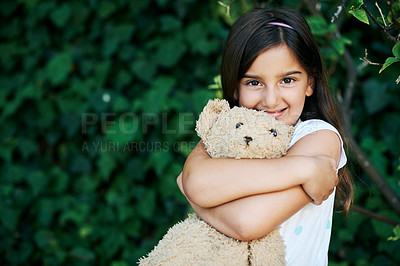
x: 273, y: 132
x: 239, y: 125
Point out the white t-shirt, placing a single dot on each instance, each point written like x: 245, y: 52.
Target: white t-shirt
x: 307, y: 233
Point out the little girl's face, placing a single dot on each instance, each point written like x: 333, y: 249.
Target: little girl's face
x: 277, y: 84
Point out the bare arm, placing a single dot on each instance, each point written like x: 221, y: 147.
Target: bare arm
x: 203, y: 177
x: 255, y: 216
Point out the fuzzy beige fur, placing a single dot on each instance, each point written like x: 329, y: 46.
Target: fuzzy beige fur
x: 235, y: 132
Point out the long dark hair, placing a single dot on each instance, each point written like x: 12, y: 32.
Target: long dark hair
x: 252, y: 34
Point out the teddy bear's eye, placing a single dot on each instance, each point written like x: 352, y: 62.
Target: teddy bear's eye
x: 239, y: 124
x: 273, y: 132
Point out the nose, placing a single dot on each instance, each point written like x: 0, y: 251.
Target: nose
x: 247, y: 139
x: 270, y: 97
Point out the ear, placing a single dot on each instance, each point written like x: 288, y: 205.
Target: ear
x: 310, y: 86
x: 209, y: 115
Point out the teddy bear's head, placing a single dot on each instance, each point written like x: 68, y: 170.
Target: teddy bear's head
x: 239, y: 132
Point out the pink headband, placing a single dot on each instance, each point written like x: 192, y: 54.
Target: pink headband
x: 280, y: 24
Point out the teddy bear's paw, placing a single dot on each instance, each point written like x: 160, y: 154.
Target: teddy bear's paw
x: 194, y: 242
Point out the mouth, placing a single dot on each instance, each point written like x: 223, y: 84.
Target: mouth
x: 277, y: 113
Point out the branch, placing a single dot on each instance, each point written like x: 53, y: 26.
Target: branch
x: 374, y: 215
x: 380, y: 12
x: 376, y: 177
x: 338, y: 11
x: 228, y: 8
x: 366, y: 165
x: 365, y: 59
x: 382, y: 28
x: 389, y: 3
x: 349, y: 91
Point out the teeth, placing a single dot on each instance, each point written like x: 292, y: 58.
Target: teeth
x: 277, y: 111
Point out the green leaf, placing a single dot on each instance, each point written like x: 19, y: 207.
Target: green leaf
x: 144, y: 69
x: 75, y: 215
x: 106, y: 8
x: 388, y: 62
x: 58, y: 180
x: 123, y: 131
x: 71, y: 123
x: 376, y: 95
x: 396, y: 50
x: 200, y: 99
x: 84, y: 254
x: 58, y: 68
x: 381, y: 228
x: 134, y: 169
x: 123, y: 79
x: 147, y: 204
x: 319, y: 26
x: 389, y: 129
x: 106, y: 164
x: 120, y: 104
x: 155, y: 99
x: 102, y: 70
x: 171, y: 51
x: 340, y: 43
x: 9, y: 217
x: 160, y: 158
x: 37, y: 180
x: 112, y: 242
x: 27, y: 147
x: 46, y: 210
x: 61, y: 15
x: 395, y: 7
x: 45, y: 239
x: 80, y: 165
x: 375, y: 149
x: 169, y: 23
x: 132, y: 227
x: 119, y: 263
x: 396, y: 233
x: 115, y: 35
x: 8, y: 7
x: 359, y: 13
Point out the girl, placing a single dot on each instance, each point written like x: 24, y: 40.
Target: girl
x: 271, y: 62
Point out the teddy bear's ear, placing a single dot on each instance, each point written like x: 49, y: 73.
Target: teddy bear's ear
x: 209, y: 115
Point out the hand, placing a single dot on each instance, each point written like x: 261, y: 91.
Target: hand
x: 322, y: 180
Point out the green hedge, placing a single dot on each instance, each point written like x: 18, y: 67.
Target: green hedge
x: 98, y: 102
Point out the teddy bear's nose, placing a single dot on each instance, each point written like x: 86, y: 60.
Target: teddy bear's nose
x: 248, y: 139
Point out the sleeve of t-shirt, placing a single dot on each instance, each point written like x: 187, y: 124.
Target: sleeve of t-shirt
x: 304, y: 128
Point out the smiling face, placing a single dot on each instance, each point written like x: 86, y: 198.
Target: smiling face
x: 277, y: 84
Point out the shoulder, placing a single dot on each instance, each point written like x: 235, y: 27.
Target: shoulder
x: 317, y: 135
x: 307, y: 127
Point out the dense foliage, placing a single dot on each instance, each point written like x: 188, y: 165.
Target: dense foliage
x: 98, y: 102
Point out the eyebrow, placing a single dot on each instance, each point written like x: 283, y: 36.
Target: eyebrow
x: 284, y: 74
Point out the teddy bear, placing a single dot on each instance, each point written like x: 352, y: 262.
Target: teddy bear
x: 237, y: 133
